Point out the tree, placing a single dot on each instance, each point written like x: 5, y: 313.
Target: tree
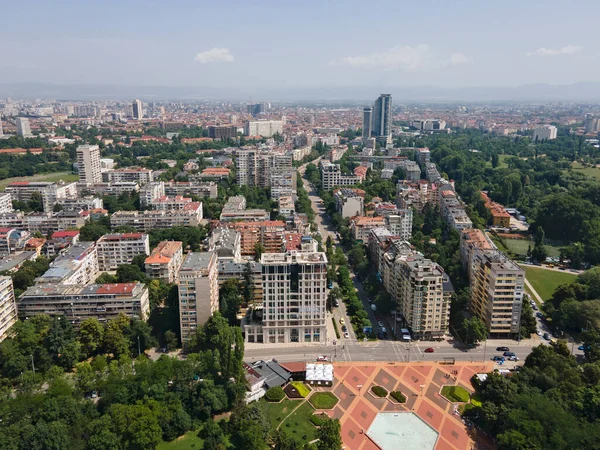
x: 93, y: 231
x: 136, y: 426
x: 248, y: 427
x: 495, y: 160
x: 126, y: 273
x: 115, y: 336
x: 329, y: 435
x: 528, y: 323
x: 140, y: 335
x: 35, y: 202
x: 259, y: 249
x: 106, y: 278
x: 91, y: 333
x: 230, y: 300
x: 473, y: 330
x: 170, y: 340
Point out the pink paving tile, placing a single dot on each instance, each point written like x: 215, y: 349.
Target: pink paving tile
x: 413, y: 379
x: 367, y: 370
x: 430, y: 414
x: 424, y: 370
x: 443, y: 444
x: 370, y: 445
x: 354, y: 378
x: 351, y: 434
x: 396, y: 370
x: 340, y: 371
x: 454, y: 432
x: 465, y: 376
x: 363, y: 414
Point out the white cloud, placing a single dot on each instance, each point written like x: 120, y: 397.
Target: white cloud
x: 569, y: 49
x: 457, y: 59
x: 406, y: 57
x: 214, y: 55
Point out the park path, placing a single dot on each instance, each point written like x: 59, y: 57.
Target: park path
x: 300, y: 403
x: 539, y: 299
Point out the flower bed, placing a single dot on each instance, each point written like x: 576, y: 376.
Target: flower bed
x: 398, y: 396
x: 297, y: 389
x: 379, y: 391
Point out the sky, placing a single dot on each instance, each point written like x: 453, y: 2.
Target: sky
x: 300, y: 43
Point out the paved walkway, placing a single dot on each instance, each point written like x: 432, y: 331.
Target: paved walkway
x: 419, y: 382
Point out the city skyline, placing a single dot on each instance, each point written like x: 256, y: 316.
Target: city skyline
x: 452, y: 46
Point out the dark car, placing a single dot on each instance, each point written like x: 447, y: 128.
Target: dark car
x: 539, y: 314
x: 508, y: 354
x: 344, y: 328
x: 429, y: 350
x: 498, y: 359
x: 502, y: 349
x: 330, y: 286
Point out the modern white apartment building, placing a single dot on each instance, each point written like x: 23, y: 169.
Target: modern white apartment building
x: 88, y: 164
x: 400, y: 224
x: 544, y: 133
x: 79, y: 302
x: 151, y: 191
x: 23, y: 127
x: 5, y: 202
x: 497, y: 292
x: 261, y: 169
x: 246, y: 161
x: 189, y: 216
x: 77, y: 266
x: 8, y: 307
x: 113, y: 188
x: 201, y: 189
x: 226, y: 243
x: 264, y: 128
x: 137, y: 174
x: 50, y: 192
x: 170, y: 203
x: 294, y: 298
x: 349, y: 203
x: 116, y: 249
x: 198, y: 291
x: 164, y: 261
x: 331, y: 176
x: 137, y: 108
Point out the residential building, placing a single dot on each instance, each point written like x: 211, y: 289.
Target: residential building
x: 14, y: 262
x: 423, y: 156
x: 246, y: 166
x: 151, y: 191
x: 268, y: 233
x: 78, y: 302
x: 8, y: 307
x: 331, y: 176
x: 88, y: 164
x: 382, y: 118
x: 60, y: 241
x: 115, y: 189
x: 452, y: 209
x: 264, y: 128
x: 400, y: 224
x: 87, y: 203
x: 138, y: 175
x: 138, y: 109
x: 117, y: 249
x: 255, y: 215
x: 349, y: 202
x: 500, y: 217
x: 242, y: 271
x: 258, y: 108
x: 497, y: 287
x: 367, y: 122
x: 198, y: 291
x: 78, y: 265
x: 544, y: 133
x: 6, y: 202
x: 432, y: 173
x: 145, y: 221
x: 12, y: 240
x: 298, y: 154
x: 285, y: 205
x: 222, y: 131
x: 412, y: 171
x: 295, y: 299
x: 50, y: 192
x: 361, y: 225
x: 164, y: 261
x: 282, y: 183
x: 171, y: 203
x: 23, y: 127
x: 226, y: 243
x: 200, y: 189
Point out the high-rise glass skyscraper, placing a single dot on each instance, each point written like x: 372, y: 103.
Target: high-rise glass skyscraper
x: 382, y: 117
x: 138, y: 109
x: 367, y: 122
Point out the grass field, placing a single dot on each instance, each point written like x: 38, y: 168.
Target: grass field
x: 592, y: 172
x: 519, y: 246
x: 298, y: 424
x: 502, y: 159
x: 546, y: 281
x: 278, y: 411
x: 189, y: 441
x: 56, y: 176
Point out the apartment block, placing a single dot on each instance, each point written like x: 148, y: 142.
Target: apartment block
x: 151, y: 191
x: 164, y: 261
x: 77, y: 266
x: 269, y: 233
x: 472, y: 240
x: 400, y: 223
x: 49, y: 192
x: 78, y: 302
x: 452, y: 209
x: 282, y: 182
x: 87, y: 203
x: 222, y: 131
x: 544, y: 133
x: 413, y: 195
x: 200, y: 189
x: 116, y: 249
x: 264, y: 128
x: 8, y: 307
x: 115, y: 189
x: 198, y: 291
x: 226, y: 243
x: 432, y: 173
x: 331, y: 176
x: 12, y: 240
x: 500, y: 217
x: 88, y: 164
x: 245, y: 215
x: 252, y: 270
x: 170, y: 203
x: 349, y: 202
x: 5, y: 202
x: 497, y: 287
x: 423, y: 156
x: 294, y: 299
x: 138, y: 175
x: 361, y: 225
x: 144, y: 221
x: 285, y: 205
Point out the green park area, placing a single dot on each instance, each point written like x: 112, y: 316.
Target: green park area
x: 545, y: 281
x: 520, y: 247
x: 294, y: 417
x: 592, y: 172
x: 56, y: 176
x: 189, y: 441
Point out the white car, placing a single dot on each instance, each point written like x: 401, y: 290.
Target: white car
x: 380, y: 323
x: 322, y: 358
x: 346, y: 335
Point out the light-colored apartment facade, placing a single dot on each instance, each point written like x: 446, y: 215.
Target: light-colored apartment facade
x: 88, y: 164
x: 190, y: 216
x: 164, y: 261
x: 8, y: 307
x: 120, y: 248
x: 198, y: 291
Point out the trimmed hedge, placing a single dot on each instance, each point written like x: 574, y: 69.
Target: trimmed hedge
x: 318, y: 419
x: 335, y: 327
x: 379, y: 391
x: 302, y: 389
x: 456, y: 394
x: 323, y: 400
x: 275, y: 394
x: 398, y: 396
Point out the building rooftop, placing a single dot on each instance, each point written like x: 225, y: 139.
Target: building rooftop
x: 197, y: 261
x: 293, y: 257
x: 15, y: 260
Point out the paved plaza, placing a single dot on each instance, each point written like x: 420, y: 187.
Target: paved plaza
x: 419, y: 382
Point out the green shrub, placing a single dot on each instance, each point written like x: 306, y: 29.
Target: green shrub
x: 335, y: 327
x: 318, y: 419
x: 302, y: 389
x: 379, y: 391
x: 275, y: 394
x: 456, y: 394
x: 323, y: 400
x: 398, y: 396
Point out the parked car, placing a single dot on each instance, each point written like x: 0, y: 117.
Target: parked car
x: 322, y: 358
x: 380, y: 324
x: 508, y: 354
x: 502, y: 349
x: 342, y: 321
x: 546, y: 336
x: 499, y: 359
x: 429, y: 350
x: 344, y: 328
x: 513, y: 358
x: 337, y: 302
x: 346, y: 335
x: 330, y: 285
x: 582, y: 348
x: 539, y: 314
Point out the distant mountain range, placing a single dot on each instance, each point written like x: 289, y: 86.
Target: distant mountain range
x: 580, y: 92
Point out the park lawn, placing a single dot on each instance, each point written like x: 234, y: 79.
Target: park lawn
x: 276, y: 412
x: 456, y: 394
x: 502, y: 159
x: 546, y: 281
x: 56, y: 176
x: 189, y: 441
x: 592, y: 172
x: 520, y: 246
x: 323, y: 400
x: 299, y: 425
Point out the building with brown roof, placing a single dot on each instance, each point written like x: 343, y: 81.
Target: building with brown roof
x: 164, y: 261
x: 500, y: 218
